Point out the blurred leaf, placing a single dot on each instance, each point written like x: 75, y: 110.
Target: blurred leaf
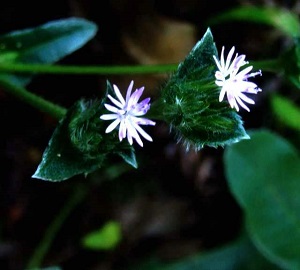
x: 264, y: 177
x: 191, y: 101
x: 282, y: 19
x: 286, y: 111
x: 290, y: 63
x: 106, y: 238
x: 239, y: 255
x: 47, y: 43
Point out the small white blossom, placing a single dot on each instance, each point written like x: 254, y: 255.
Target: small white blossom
x: 126, y: 113
x: 234, y: 82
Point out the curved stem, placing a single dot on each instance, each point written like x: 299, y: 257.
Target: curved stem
x: 40, y: 252
x: 32, y: 99
x: 104, y: 70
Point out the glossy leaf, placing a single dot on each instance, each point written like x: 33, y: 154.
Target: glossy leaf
x: 47, y: 43
x: 264, y: 176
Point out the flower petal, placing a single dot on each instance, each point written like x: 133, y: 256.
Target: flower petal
x: 245, y: 98
x: 122, y: 130
x: 230, y: 54
x: 242, y: 104
x: 142, y: 132
x: 134, y: 133
x: 111, y: 108
x: 128, y: 94
x: 112, y: 126
x: 118, y: 94
x: 116, y: 102
x: 109, y: 116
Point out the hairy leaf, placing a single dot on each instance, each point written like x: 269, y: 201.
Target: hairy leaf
x: 191, y: 102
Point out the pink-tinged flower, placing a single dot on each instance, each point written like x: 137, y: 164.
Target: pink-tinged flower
x: 126, y: 113
x: 234, y: 82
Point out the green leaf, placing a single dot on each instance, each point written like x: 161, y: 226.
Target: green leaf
x: 286, y: 111
x: 106, y: 238
x: 191, y: 102
x: 47, y: 43
x: 284, y: 20
x: 79, y: 144
x: 128, y: 156
x: 264, y: 176
x: 239, y: 255
x: 62, y: 159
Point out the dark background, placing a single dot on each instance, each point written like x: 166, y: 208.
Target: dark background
x: 177, y: 203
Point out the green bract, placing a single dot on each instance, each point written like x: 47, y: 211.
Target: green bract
x: 190, y: 102
x: 79, y: 144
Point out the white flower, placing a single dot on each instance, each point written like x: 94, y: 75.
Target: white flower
x: 126, y: 114
x: 234, y: 82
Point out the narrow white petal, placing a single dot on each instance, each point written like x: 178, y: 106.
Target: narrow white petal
x: 222, y: 60
x: 245, y: 98
x: 143, y: 121
x: 142, y: 132
x: 112, y: 126
x: 245, y: 85
x: 119, y: 95
x: 138, y: 140
x: 129, y: 138
x: 128, y: 94
x: 111, y: 108
x: 217, y: 63
x: 122, y: 130
x: 243, y: 72
x: 222, y: 94
x: 135, y: 97
x: 232, y: 101
x: 251, y: 90
x: 109, y: 116
x: 134, y: 134
x: 219, y: 83
x: 242, y: 104
x: 228, y: 59
x: 114, y: 101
